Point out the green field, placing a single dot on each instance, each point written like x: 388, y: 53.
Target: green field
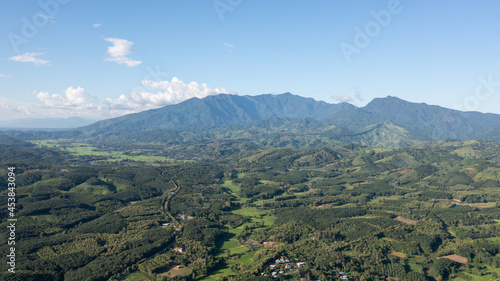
x: 235, y: 190
x: 183, y: 271
x: 250, y: 211
x: 494, y: 239
x: 379, y: 198
x: 486, y: 277
x: 222, y: 270
x: 135, y: 276
x: 483, y: 205
x: 83, y: 149
x: 229, y: 242
x: 95, y: 189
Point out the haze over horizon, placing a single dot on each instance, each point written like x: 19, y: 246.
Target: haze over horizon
x: 68, y: 58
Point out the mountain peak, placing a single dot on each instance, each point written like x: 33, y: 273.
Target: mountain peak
x: 412, y: 121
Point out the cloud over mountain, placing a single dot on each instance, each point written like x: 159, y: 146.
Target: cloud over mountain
x: 77, y: 102
x: 171, y: 92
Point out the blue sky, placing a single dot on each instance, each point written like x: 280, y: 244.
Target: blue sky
x: 100, y: 59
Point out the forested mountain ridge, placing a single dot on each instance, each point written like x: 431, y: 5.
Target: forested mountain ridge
x: 428, y: 122
x: 384, y: 122
x: 221, y: 110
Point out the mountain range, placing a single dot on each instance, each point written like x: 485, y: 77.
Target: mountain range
x: 384, y: 122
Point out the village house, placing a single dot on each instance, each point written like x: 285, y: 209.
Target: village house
x: 178, y: 250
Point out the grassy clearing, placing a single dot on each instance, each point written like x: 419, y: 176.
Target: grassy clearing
x: 222, y: 270
x: 259, y: 202
x: 405, y: 220
x: 94, y: 189
x: 345, y: 205
x: 119, y: 186
x: 472, y: 277
x: 250, y: 211
x: 380, y: 198
x: 483, y: 205
x: 303, y: 192
x: 256, y: 215
x: 176, y: 271
x: 135, y: 276
x: 235, y: 190
x: 486, y: 277
x: 229, y: 242
x: 229, y: 184
x: 497, y: 239
x: 245, y: 259
x: 48, y: 218
x: 455, y: 258
x: 268, y: 220
x: 83, y: 149
x: 269, y: 182
x: 49, y: 143
x: 239, y: 229
x: 416, y: 267
x: 399, y: 254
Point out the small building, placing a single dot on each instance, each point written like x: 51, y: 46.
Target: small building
x: 299, y: 264
x: 178, y: 250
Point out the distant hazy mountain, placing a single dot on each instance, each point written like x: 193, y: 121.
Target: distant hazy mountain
x: 46, y: 123
x: 384, y: 122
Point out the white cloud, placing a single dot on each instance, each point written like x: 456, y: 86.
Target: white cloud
x: 30, y: 57
x: 77, y: 102
x: 5, y: 76
x: 343, y: 98
x: 171, y: 92
x: 119, y: 51
x: 97, y: 24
